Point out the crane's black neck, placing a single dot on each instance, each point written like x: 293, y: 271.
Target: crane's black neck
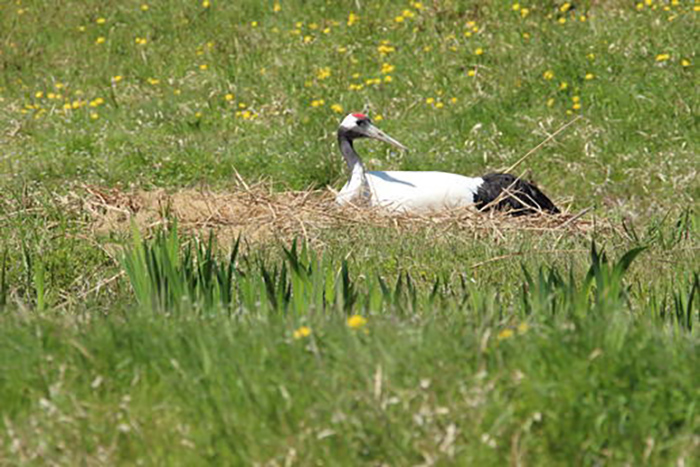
x: 345, y: 140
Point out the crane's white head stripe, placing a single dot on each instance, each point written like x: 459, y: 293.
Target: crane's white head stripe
x: 350, y: 121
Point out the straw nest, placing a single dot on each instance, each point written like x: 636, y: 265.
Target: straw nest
x: 259, y: 213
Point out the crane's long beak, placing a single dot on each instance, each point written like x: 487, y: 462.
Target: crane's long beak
x: 375, y: 133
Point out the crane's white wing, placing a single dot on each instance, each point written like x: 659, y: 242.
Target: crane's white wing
x: 421, y: 191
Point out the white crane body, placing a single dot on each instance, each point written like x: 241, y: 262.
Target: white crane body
x: 418, y: 192
x: 404, y: 191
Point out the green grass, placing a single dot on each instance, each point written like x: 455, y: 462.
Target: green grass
x: 637, y: 136
x: 480, y: 347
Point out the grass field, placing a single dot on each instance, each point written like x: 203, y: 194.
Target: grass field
x: 135, y: 329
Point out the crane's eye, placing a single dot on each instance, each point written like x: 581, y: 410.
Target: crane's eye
x: 361, y: 122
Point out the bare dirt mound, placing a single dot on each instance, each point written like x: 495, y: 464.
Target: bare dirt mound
x: 258, y: 213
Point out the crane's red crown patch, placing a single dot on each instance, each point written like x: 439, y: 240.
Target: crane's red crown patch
x: 359, y: 115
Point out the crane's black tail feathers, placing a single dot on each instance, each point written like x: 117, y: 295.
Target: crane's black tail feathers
x: 520, y: 198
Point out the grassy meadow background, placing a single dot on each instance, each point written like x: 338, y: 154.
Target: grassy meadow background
x: 366, y: 344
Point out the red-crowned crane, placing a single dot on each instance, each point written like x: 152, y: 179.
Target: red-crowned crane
x: 415, y: 192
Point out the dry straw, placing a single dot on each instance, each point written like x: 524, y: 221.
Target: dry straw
x: 260, y: 213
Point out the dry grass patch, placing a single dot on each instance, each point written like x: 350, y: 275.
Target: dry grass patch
x: 259, y: 213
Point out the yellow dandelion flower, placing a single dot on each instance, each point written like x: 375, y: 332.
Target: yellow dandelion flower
x: 144, y: 7
x: 524, y: 12
x: 399, y: 19
x: 326, y: 30
x: 323, y: 73
x: 308, y: 39
x: 582, y: 18
x: 276, y: 7
x: 526, y: 35
x: 639, y: 6
x: 94, y: 116
x: 663, y: 57
x: 565, y: 7
x: 100, y: 21
x: 439, y: 105
x: 505, y: 334
x: 58, y: 85
x: 177, y: 92
x: 337, y: 108
x: 563, y: 86
x: 352, y: 19
x: 576, y: 106
x: 206, y: 4
x: 575, y: 99
x: 153, y: 81
x: 253, y: 24
x: 229, y: 97
x: 82, y: 28
x: 51, y: 96
x: 453, y: 100
x: 516, y: 6
x: 589, y: 76
x: 357, y: 321
x: 100, y: 40
x: 590, y: 56
x: 378, y: 118
x: 317, y: 103
x: 550, y: 102
x: 471, y: 73
x: 388, y: 79
x: 430, y: 100
x: 479, y: 51
x: 417, y: 5
x: 39, y: 94
x: 342, y: 50
x: 387, y: 68
x: 313, y: 26
x: 548, y: 75
x: 685, y: 63
x: 203, y: 66
x: 385, y: 49
x: 21, y: 11
x: 302, y: 332
x: 241, y: 105
x: 467, y: 34
x: 117, y: 78
x: 523, y: 328
x: 198, y: 114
